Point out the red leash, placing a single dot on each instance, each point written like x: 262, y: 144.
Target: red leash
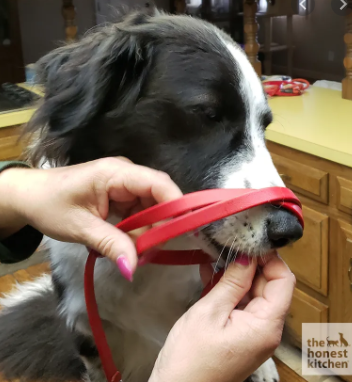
x: 188, y: 213
x: 291, y: 88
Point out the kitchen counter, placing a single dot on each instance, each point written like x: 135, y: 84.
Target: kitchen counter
x: 15, y: 118
x: 319, y: 123
x: 21, y: 116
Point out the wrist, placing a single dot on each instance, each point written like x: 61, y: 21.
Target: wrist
x: 12, y: 218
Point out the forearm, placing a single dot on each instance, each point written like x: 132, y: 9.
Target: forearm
x: 11, y: 198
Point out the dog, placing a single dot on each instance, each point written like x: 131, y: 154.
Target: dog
x: 332, y: 342
x: 343, y: 341
x: 174, y: 93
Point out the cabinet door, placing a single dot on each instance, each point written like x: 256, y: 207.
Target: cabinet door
x: 304, y: 309
x: 10, y: 147
x: 340, y: 277
x: 308, y: 257
x: 305, y: 179
x: 340, y: 271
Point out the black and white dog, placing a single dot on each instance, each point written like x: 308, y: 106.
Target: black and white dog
x: 173, y: 93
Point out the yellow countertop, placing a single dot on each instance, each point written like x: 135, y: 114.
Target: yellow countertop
x: 22, y: 116
x: 319, y: 123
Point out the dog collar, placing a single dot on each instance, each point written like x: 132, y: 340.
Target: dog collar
x: 186, y: 214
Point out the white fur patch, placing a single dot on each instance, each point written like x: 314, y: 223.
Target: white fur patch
x: 251, y: 87
x: 245, y: 232
x: 27, y: 291
x: 260, y: 171
x: 266, y: 373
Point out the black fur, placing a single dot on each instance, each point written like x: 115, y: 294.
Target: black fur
x: 161, y: 91
x: 86, y: 346
x: 38, y: 344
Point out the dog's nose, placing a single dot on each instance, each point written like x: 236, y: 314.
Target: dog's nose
x: 283, y: 228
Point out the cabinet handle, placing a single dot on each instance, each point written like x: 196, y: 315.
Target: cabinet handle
x: 350, y: 273
x: 285, y: 178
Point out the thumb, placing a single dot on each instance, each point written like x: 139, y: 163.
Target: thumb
x: 232, y: 287
x: 114, y: 244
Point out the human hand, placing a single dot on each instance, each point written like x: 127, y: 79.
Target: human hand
x: 213, y: 342
x: 72, y: 203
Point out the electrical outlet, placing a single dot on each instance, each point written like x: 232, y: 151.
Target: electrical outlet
x: 331, y: 55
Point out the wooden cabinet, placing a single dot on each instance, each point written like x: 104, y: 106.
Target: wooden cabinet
x: 344, y: 194
x: 10, y: 147
x: 304, y: 308
x: 322, y: 259
x: 341, y: 271
x: 311, y: 252
x: 304, y: 179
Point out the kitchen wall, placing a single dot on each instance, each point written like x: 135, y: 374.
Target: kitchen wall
x: 318, y: 39
x: 105, y: 8
x: 42, y: 25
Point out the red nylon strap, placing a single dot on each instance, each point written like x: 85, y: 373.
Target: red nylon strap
x: 188, y: 213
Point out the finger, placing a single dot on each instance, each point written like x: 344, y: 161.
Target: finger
x: 124, y: 209
x: 134, y: 181
x: 278, y: 290
x: 262, y: 260
x: 206, y: 272
x: 111, y: 242
x: 124, y: 159
x: 259, y: 283
x: 280, y: 286
x: 231, y: 288
x: 147, y: 202
x: 244, y: 302
x: 134, y: 235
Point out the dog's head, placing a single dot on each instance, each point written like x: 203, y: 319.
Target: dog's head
x: 173, y: 93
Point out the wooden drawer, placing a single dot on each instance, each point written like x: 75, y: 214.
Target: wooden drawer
x: 344, y: 194
x: 308, y: 258
x: 304, y: 309
x: 10, y: 148
x: 304, y: 179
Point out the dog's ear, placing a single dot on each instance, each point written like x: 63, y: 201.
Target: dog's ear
x: 102, y: 72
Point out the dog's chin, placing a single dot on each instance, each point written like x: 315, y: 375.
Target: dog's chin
x: 227, y: 254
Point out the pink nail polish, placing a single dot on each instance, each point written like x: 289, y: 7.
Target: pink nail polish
x: 242, y: 259
x: 124, y: 267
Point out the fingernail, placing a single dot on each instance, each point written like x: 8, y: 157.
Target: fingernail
x: 242, y: 259
x: 124, y: 267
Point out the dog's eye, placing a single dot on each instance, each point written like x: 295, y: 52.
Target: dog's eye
x: 213, y: 115
x: 209, y: 112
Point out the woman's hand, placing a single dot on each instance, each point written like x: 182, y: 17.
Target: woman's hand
x: 72, y: 203
x: 214, y: 342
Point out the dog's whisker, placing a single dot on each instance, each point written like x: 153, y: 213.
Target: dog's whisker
x: 235, y: 255
x: 229, y: 255
x: 218, y: 259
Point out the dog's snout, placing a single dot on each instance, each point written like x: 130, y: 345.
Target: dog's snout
x: 283, y: 228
